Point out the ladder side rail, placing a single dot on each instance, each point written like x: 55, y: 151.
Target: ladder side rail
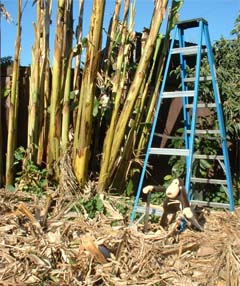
x: 189, y: 159
x: 153, y: 128
x: 220, y: 119
x: 186, y: 117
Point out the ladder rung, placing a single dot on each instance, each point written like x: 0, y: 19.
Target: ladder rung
x: 210, y: 204
x: 192, y: 50
x: 152, y: 211
x: 202, y: 105
x: 186, y: 24
x: 202, y: 78
x: 210, y: 157
x: 169, y: 151
x: 183, y: 152
x: 174, y: 94
x: 198, y: 131
x: 208, y: 181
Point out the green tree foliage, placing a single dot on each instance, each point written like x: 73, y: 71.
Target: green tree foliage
x: 6, y: 61
x: 228, y: 72
x: 227, y: 56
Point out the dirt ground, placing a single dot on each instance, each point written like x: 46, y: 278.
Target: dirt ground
x: 46, y: 242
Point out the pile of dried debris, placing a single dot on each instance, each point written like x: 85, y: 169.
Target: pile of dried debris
x: 46, y: 243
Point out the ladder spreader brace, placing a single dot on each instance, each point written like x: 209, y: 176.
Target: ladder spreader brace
x: 190, y: 103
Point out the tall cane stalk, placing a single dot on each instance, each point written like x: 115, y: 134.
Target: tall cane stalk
x: 83, y: 129
x: 13, y: 110
x: 55, y: 108
x: 45, y: 85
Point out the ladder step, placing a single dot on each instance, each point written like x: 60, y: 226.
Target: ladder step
x: 174, y: 94
x: 186, y: 51
x: 202, y: 105
x: 202, y: 78
x: 192, y: 23
x: 209, y: 157
x: 152, y: 211
x: 208, y: 181
x: 183, y: 152
x: 209, y: 204
x: 198, y: 131
x: 169, y: 151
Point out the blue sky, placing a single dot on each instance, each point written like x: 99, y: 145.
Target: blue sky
x: 220, y: 15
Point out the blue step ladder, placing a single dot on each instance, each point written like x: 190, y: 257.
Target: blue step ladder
x: 190, y: 105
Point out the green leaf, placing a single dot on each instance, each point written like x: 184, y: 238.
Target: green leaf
x: 10, y: 188
x: 99, y: 204
x: 129, y: 189
x: 204, y: 164
x: 176, y: 5
x: 167, y: 178
x: 95, y: 107
x: 6, y: 92
x: 84, y: 42
x: 74, y: 93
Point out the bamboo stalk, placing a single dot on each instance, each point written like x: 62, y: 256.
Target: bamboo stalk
x: 107, y: 60
x: 11, y: 140
x: 35, y: 89
x: 45, y: 84
x: 66, y: 108
x: 112, y: 37
x: 7, y: 16
x: 82, y: 135
x: 55, y: 112
x: 67, y: 41
x: 77, y: 67
x: 143, y: 131
x: 117, y: 89
x: 68, y: 54
x: 79, y: 41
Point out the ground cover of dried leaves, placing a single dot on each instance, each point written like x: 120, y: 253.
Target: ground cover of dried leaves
x: 46, y: 242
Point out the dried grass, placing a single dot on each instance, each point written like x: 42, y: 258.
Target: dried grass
x: 42, y: 242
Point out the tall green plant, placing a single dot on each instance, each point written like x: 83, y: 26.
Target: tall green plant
x: 117, y: 91
x: 113, y: 36
x: 83, y: 129
x: 68, y: 54
x: 55, y: 110
x: 45, y: 84
x: 7, y: 16
x: 37, y: 78
x: 79, y: 41
x: 13, y: 109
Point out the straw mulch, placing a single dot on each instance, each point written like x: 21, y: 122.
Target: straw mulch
x: 45, y: 242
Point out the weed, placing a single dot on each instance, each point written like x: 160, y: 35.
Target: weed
x: 31, y: 178
x: 92, y: 206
